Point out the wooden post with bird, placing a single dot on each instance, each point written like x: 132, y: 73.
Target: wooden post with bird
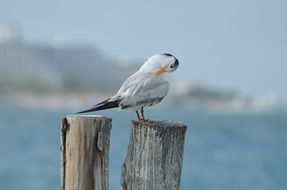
x: 155, y: 151
x: 85, y: 152
x: 154, y: 156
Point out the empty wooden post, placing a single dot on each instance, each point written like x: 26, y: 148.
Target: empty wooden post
x: 154, y: 156
x: 85, y: 152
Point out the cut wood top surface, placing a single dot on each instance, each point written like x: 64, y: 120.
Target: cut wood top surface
x: 87, y: 116
x: 160, y: 123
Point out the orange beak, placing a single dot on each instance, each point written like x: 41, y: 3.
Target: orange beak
x: 161, y: 70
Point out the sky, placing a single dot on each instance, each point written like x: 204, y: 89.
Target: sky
x: 230, y: 44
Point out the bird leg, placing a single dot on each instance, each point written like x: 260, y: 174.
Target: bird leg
x: 142, y: 113
x: 139, y: 118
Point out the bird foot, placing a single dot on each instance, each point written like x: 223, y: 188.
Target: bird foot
x: 144, y: 121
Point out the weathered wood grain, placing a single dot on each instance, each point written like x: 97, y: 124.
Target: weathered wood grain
x: 85, y: 152
x: 154, y: 156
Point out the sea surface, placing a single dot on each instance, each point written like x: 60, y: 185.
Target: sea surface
x: 223, y: 151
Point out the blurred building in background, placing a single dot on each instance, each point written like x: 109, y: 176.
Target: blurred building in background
x: 30, y: 72
x: 50, y: 67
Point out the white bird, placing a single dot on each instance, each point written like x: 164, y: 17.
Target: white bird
x: 146, y: 87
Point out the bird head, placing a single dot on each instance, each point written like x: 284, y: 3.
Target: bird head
x: 160, y: 63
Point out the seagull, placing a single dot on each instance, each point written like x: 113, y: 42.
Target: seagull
x: 146, y: 87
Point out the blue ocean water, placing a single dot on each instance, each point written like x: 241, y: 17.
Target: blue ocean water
x: 222, y: 150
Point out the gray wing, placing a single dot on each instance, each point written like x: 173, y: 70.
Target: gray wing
x: 134, y: 82
x: 142, y: 89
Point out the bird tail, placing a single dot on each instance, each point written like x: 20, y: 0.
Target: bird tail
x: 106, y: 104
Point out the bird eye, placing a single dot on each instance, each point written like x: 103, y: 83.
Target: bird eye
x: 172, y: 66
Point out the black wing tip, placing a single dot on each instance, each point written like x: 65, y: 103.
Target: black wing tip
x: 79, y: 112
x: 102, y: 106
x: 89, y: 110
